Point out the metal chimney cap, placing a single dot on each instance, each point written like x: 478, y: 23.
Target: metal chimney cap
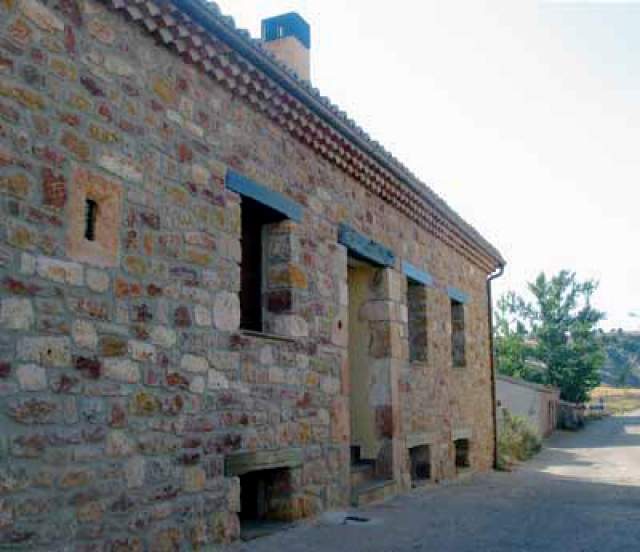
x: 288, y: 24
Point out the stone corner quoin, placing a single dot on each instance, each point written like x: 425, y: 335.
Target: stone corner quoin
x: 147, y: 375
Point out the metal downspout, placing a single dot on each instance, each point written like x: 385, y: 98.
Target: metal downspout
x: 494, y: 415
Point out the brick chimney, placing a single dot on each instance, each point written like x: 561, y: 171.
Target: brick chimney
x: 288, y: 37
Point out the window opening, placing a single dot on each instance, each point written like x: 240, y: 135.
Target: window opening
x: 420, y: 458
x: 91, y: 214
x: 458, y: 333
x: 417, y: 321
x: 254, y: 218
x: 462, y: 453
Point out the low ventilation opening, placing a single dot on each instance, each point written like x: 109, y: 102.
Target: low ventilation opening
x: 420, y: 458
x: 462, y: 453
x: 265, y: 502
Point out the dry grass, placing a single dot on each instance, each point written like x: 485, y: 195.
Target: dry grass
x: 618, y: 400
x: 517, y: 441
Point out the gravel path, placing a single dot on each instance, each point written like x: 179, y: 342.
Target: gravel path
x: 582, y: 493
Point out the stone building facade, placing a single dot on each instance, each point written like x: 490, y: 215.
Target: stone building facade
x: 218, y: 296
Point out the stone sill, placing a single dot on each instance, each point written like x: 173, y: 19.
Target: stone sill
x: 270, y: 337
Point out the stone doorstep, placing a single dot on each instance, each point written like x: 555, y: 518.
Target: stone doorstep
x: 372, y: 492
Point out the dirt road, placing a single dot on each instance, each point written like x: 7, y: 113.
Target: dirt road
x: 581, y: 494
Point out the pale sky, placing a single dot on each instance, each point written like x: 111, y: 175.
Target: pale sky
x: 523, y: 116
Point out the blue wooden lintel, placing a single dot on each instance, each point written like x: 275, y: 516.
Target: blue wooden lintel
x: 457, y: 295
x: 415, y: 274
x: 275, y: 200
x: 365, y: 248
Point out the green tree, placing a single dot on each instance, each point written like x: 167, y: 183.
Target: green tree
x: 513, y: 348
x: 552, y: 339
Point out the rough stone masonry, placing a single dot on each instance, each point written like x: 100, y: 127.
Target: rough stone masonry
x: 132, y: 403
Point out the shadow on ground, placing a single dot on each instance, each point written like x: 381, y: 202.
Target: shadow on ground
x: 527, y: 510
x: 624, y: 431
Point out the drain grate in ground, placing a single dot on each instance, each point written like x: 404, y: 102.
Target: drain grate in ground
x: 349, y: 519
x: 356, y: 519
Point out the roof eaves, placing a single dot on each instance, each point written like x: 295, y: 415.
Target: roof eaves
x: 209, y: 17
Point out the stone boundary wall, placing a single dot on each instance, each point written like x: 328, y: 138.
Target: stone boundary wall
x: 539, y: 404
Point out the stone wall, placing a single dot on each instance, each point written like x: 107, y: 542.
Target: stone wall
x: 125, y: 383
x: 539, y: 404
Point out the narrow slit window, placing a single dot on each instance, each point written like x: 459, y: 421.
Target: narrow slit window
x: 91, y: 215
x: 458, y: 340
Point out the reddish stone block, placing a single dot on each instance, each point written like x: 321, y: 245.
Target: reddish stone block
x: 78, y: 147
x: 70, y: 119
x: 38, y: 56
x: 5, y: 370
x: 154, y: 291
x: 177, y: 380
x: 173, y: 406
x: 121, y: 288
x: 185, y: 154
x: 18, y: 287
x: 69, y: 40
x: 384, y: 421
x: 280, y: 301
x: 64, y: 384
x: 48, y: 155
x: 54, y: 189
x: 92, y: 86
x: 20, y: 33
x: 89, y: 367
x: 182, y: 317
x: 105, y: 112
x: 118, y: 415
x: 6, y: 65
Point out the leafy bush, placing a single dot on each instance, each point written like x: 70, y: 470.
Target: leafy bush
x: 517, y: 441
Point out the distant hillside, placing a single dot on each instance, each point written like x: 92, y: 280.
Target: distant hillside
x: 622, y: 367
